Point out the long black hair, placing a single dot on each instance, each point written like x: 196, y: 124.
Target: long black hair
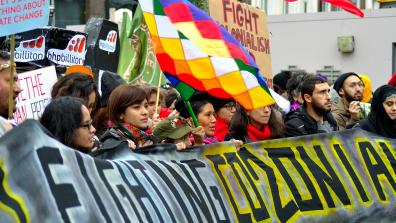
x: 240, y: 121
x: 62, y: 117
x: 197, y: 101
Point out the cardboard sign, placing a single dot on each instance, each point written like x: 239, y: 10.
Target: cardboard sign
x: 22, y: 15
x: 36, y: 88
x: 249, y: 26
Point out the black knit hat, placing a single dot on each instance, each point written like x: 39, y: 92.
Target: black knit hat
x: 341, y: 79
x: 281, y: 79
x: 219, y: 102
x: 108, y: 83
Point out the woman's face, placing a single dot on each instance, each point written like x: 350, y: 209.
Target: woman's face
x: 260, y: 116
x: 136, y: 115
x: 91, y: 101
x: 206, y: 119
x: 84, y: 135
x: 227, y: 111
x: 390, y: 107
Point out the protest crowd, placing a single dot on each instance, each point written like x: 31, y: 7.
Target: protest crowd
x: 131, y: 117
x: 133, y: 123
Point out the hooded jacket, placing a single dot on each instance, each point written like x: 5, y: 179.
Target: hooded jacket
x: 301, y: 123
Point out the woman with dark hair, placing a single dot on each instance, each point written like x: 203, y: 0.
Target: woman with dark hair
x: 382, y: 117
x: 293, y: 87
x: 205, y: 113
x: 255, y: 125
x: 128, y: 115
x: 69, y: 121
x: 77, y: 85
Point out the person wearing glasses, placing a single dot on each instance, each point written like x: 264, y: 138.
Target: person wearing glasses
x: 225, y: 109
x: 314, y: 115
x: 69, y: 120
x: 256, y: 125
x: 347, y: 111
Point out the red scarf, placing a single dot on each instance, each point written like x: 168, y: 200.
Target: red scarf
x: 221, y: 129
x: 258, y: 135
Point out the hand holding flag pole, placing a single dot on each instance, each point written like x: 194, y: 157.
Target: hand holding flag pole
x: 191, y: 112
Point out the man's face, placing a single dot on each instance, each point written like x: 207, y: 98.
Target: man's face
x: 4, y: 89
x: 320, y: 99
x: 352, y: 89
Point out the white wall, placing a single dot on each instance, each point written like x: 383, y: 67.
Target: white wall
x: 310, y: 42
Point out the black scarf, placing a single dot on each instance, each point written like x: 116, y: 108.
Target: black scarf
x: 378, y: 120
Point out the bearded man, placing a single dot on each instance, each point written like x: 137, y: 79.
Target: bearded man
x: 347, y: 111
x: 314, y: 116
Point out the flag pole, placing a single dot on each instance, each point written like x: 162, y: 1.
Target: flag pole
x: 11, y: 90
x: 158, y: 93
x: 191, y: 112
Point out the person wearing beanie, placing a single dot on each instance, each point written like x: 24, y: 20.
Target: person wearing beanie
x: 280, y: 81
x: 225, y: 109
x: 347, y: 110
x: 382, y: 117
x: 392, y: 81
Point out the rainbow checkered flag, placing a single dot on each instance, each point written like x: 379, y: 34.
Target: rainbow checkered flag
x: 195, y: 52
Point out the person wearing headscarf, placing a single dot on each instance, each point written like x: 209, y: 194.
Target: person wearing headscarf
x: 367, y: 90
x: 382, y: 117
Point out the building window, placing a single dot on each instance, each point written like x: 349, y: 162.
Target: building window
x: 69, y: 12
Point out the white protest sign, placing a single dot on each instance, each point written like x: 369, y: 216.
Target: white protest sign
x: 36, y: 88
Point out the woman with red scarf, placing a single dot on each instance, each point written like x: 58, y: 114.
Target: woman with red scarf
x: 255, y: 125
x: 225, y: 109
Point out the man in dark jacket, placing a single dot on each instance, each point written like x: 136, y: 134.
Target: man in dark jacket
x: 314, y: 116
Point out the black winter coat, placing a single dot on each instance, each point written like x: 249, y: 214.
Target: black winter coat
x: 300, y: 123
